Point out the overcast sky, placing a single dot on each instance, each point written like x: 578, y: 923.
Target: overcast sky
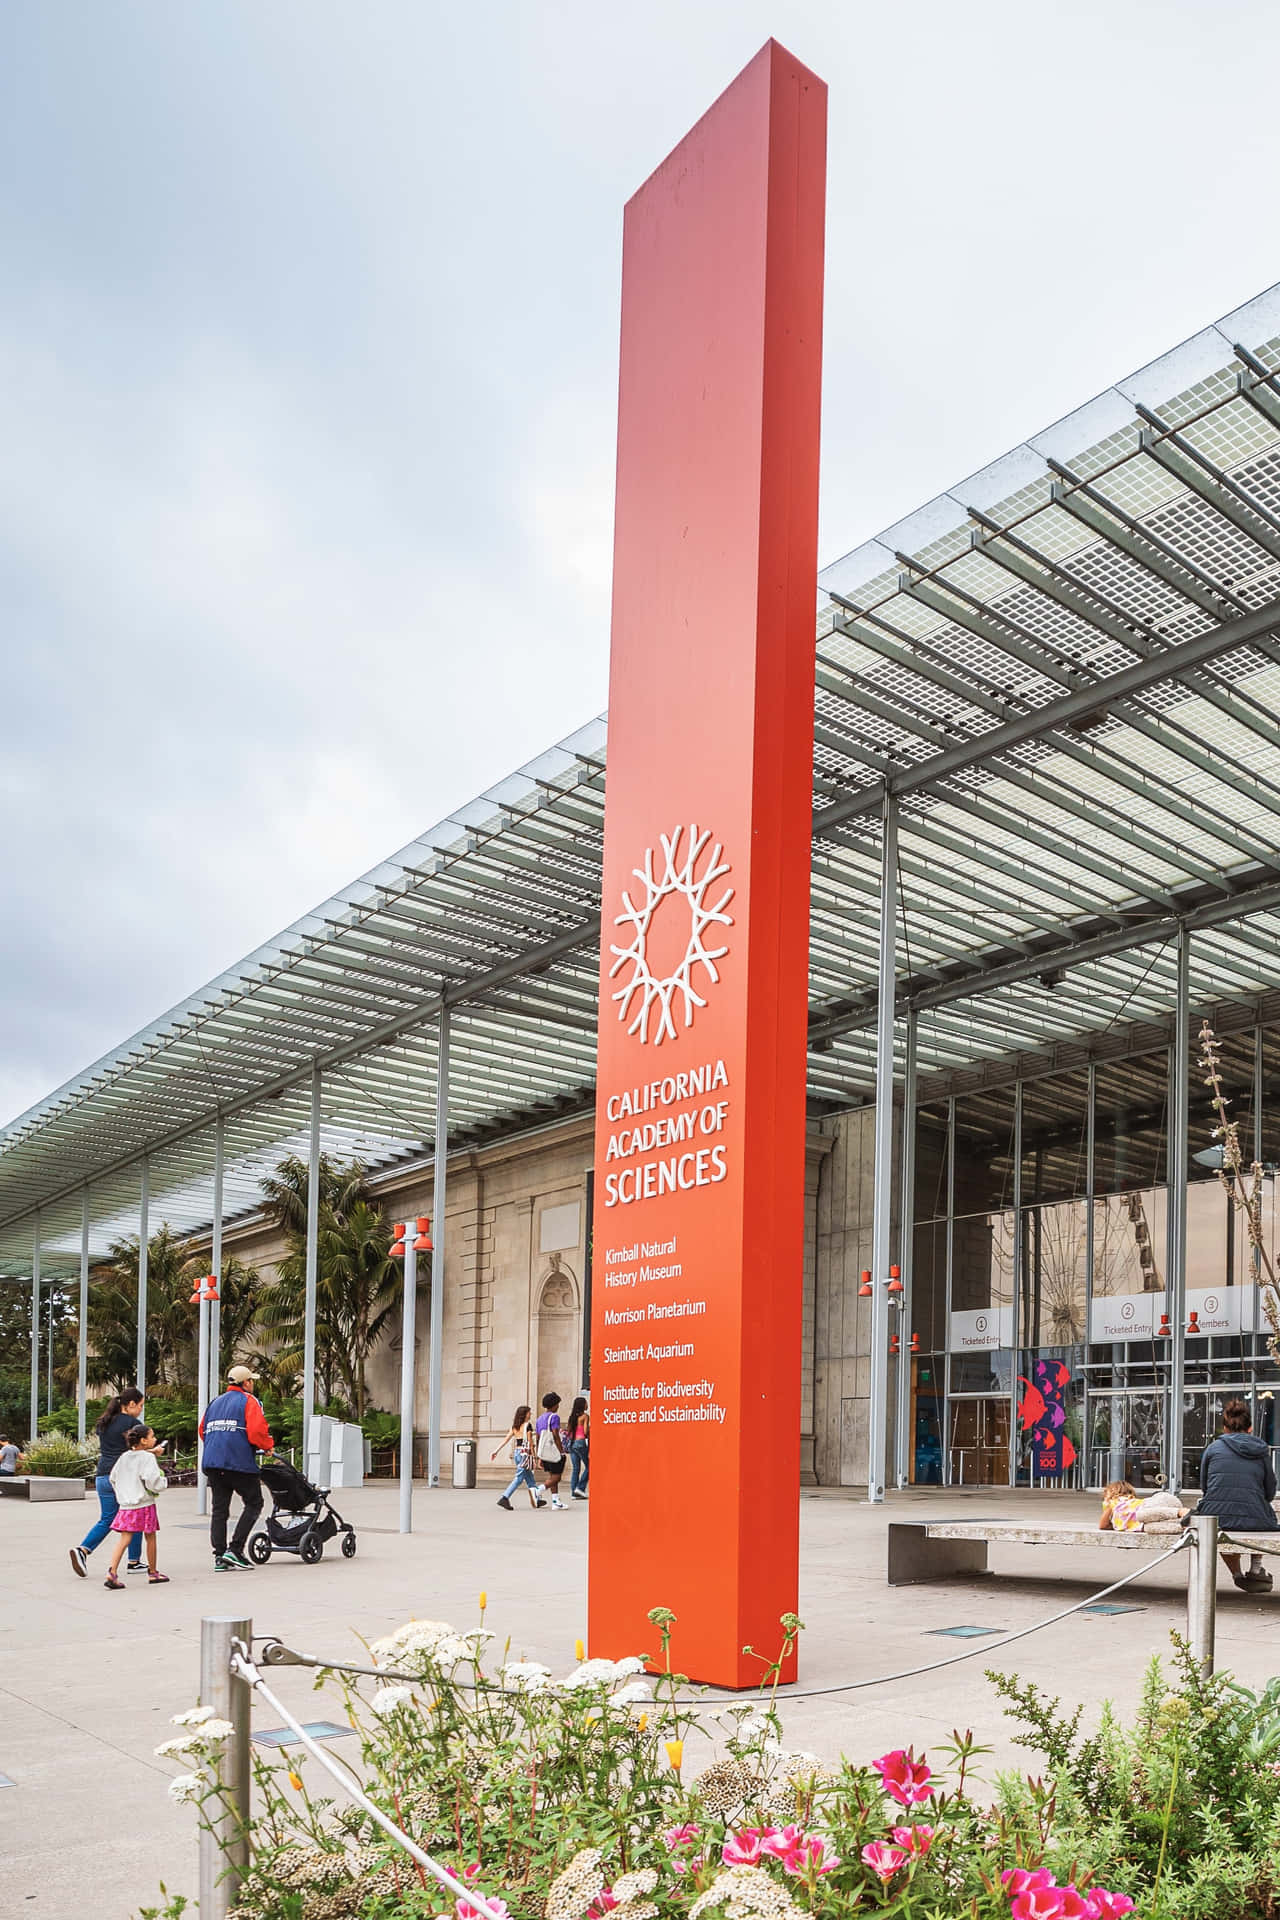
x: 308, y: 353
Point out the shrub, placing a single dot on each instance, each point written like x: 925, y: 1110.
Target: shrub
x: 60, y: 1456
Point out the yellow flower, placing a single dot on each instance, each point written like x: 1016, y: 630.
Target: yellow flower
x: 295, y: 1780
x: 675, y: 1754
x: 642, y: 1723
x: 579, y: 1651
x: 484, y: 1601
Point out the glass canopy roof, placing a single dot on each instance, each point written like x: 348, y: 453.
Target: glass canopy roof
x: 1067, y: 671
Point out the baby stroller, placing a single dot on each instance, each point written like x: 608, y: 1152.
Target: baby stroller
x: 301, y: 1518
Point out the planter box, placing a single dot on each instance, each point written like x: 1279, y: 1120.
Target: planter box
x: 35, y: 1486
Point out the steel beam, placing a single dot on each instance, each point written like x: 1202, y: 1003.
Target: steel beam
x: 35, y: 1331
x: 882, y: 1201
x: 312, y: 1268
x: 82, y: 1351
x: 1176, y: 1161
x: 408, y: 1373
x: 144, y: 1261
x: 440, y: 1169
x: 903, y: 1427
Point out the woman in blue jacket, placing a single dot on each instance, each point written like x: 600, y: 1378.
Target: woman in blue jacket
x: 1238, y: 1484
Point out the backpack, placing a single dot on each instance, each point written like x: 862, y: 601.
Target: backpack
x: 549, y: 1451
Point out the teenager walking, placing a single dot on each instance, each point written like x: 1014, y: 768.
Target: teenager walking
x: 521, y: 1440
x: 136, y: 1478
x: 233, y: 1428
x: 551, y: 1453
x: 118, y: 1417
x: 577, y: 1438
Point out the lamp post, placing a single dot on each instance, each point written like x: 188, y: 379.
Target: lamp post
x: 406, y: 1249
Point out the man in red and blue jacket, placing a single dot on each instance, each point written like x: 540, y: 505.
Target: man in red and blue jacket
x: 234, y: 1426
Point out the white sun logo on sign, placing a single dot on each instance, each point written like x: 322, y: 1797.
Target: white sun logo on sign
x: 678, y: 875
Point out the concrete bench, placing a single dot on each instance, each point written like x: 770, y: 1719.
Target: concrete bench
x: 39, y: 1486
x: 957, y: 1549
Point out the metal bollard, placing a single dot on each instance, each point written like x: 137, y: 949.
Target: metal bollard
x: 1202, y: 1590
x: 224, y: 1831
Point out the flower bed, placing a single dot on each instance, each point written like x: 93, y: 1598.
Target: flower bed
x: 570, y: 1799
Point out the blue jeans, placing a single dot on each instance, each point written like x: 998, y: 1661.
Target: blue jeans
x: 102, y: 1525
x: 524, y: 1478
x: 579, y: 1453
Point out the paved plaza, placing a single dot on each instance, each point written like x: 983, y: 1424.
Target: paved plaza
x: 89, y: 1678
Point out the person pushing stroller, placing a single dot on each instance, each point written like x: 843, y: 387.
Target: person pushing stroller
x: 234, y: 1426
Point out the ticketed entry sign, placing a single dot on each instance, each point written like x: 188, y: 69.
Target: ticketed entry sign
x: 699, y: 1154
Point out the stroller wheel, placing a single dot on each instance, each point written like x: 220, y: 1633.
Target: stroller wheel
x: 311, y: 1549
x: 348, y: 1546
x: 259, y: 1549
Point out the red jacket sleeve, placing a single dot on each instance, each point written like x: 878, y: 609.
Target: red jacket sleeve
x: 200, y: 1428
x: 255, y: 1425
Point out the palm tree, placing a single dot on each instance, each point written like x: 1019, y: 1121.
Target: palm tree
x: 173, y: 1274
x: 357, y: 1282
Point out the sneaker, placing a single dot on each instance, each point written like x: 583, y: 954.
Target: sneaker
x: 539, y: 1503
x: 579, y: 1496
x: 234, y: 1562
x: 135, y: 1566
x: 504, y: 1502
x: 79, y: 1560
x: 558, y: 1503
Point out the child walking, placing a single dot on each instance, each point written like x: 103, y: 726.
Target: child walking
x: 136, y: 1478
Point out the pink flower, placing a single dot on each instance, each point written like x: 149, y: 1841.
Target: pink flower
x: 469, y: 1873
x: 465, y: 1911
x: 1099, y: 1904
x: 884, y: 1861
x: 814, y: 1855
x: 1049, y: 1903
x: 603, y: 1901
x: 743, y: 1849
x: 780, y: 1841
x: 680, y: 1836
x: 691, y: 1865
x: 914, y: 1839
x: 904, y: 1778
x: 1021, y: 1880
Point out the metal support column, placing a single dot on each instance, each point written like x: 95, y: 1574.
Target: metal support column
x: 35, y: 1330
x: 209, y: 1366
x: 906, y: 1265
x: 82, y: 1362
x: 408, y: 1373
x: 1202, y: 1591
x: 144, y: 1255
x: 439, y: 1172
x: 313, y: 1243
x: 950, y: 1258
x: 1176, y: 1161
x: 1090, y: 1252
x: 224, y: 1822
x: 882, y: 1206
x: 1017, y: 1283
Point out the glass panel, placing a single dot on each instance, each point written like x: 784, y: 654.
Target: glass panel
x: 1129, y: 1235
x: 978, y: 1373
x: 926, y: 1402
x: 1129, y: 1135
x: 1236, y: 1070
x: 982, y: 1274
x: 1052, y: 1308
x: 1271, y: 1096
x: 979, y: 1442
x: 984, y: 1151
x: 1055, y: 1122
x: 929, y: 1285
x: 1126, y: 1438
x: 931, y: 1162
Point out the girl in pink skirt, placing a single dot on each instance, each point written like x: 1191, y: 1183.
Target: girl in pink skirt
x: 137, y: 1477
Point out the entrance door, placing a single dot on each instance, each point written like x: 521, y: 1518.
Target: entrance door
x: 1202, y: 1422
x: 1126, y: 1437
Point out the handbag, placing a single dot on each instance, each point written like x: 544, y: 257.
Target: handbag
x: 549, y: 1449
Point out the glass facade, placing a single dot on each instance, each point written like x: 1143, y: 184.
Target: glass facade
x: 1041, y: 1296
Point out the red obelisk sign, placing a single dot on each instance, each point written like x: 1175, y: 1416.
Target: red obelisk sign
x: 699, y: 1158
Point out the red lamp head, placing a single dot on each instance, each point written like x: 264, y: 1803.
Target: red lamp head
x: 196, y: 1297
x: 1164, y: 1331
x: 211, y: 1288
x: 864, y: 1290
x: 895, y: 1280
x: 423, y: 1242
x: 915, y: 1343
x: 893, y: 1344
x: 1193, y: 1324
x: 397, y: 1240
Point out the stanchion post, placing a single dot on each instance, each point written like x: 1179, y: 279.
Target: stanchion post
x: 224, y: 1830
x: 1202, y: 1590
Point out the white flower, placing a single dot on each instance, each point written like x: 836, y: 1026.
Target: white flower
x: 636, y: 1693
x: 387, y: 1699
x: 414, y: 1637
x: 449, y: 1649
x: 631, y: 1664
x: 752, y: 1726
x: 526, y: 1675
x: 212, y: 1731
x: 193, y: 1717
x: 178, y: 1749
x: 592, y: 1673
x: 187, y: 1787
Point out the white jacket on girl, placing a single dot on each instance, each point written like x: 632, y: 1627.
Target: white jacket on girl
x: 137, y: 1478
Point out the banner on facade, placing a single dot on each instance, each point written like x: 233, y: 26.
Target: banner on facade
x: 1219, y: 1310
x: 699, y: 1156
x: 981, y: 1330
x: 1125, y: 1316
x: 1042, y: 1413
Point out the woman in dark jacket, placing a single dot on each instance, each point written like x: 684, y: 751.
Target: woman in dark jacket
x: 1238, y: 1484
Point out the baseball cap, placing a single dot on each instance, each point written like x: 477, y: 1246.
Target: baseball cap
x: 242, y: 1376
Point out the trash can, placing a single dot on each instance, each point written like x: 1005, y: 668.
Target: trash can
x: 464, y: 1463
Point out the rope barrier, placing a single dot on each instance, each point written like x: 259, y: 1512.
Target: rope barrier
x: 275, y: 1653
x: 242, y: 1664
